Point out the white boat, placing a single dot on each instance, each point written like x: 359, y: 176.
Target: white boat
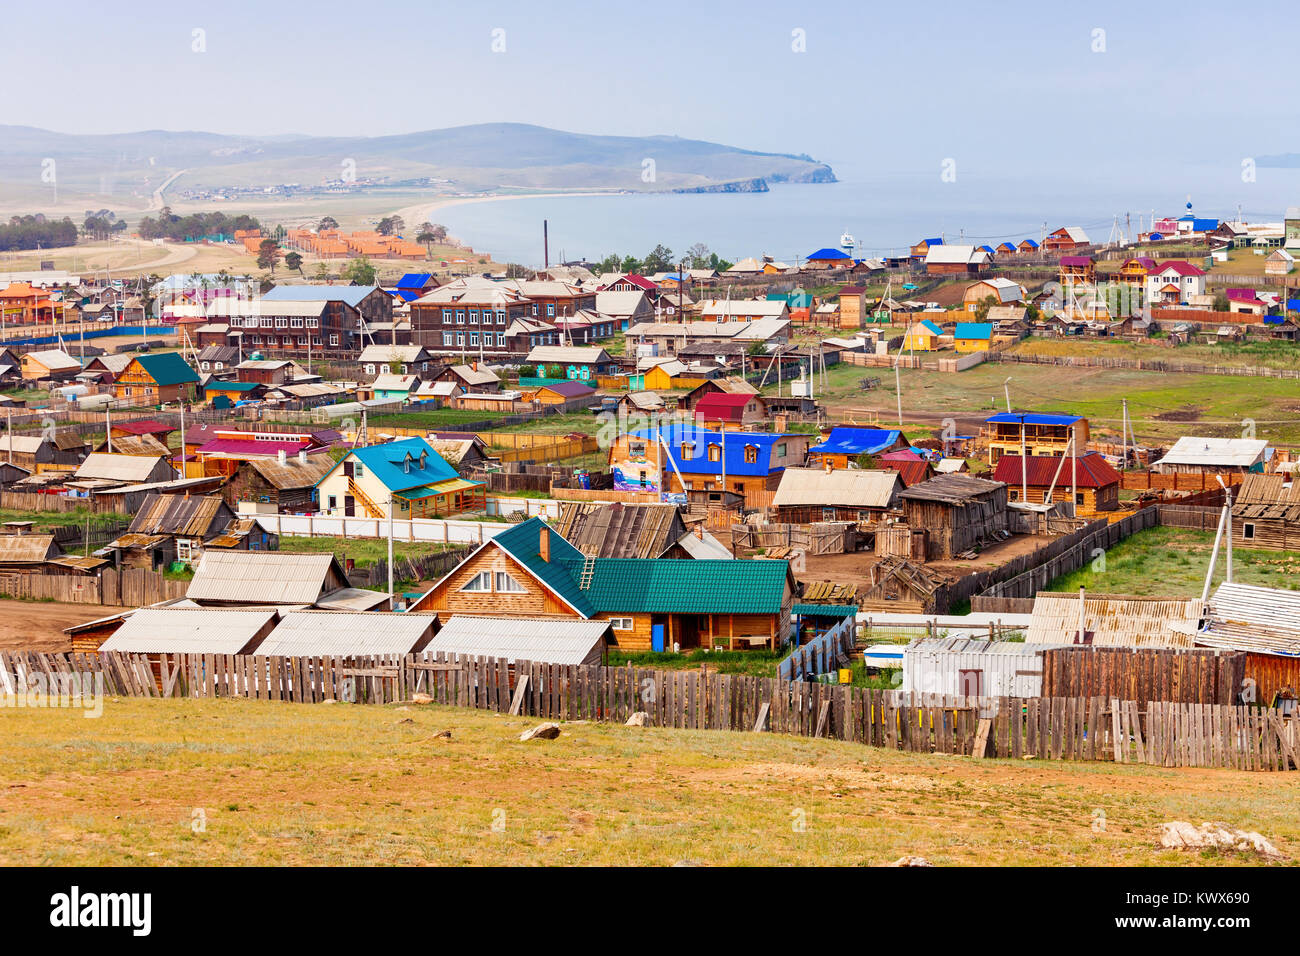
x: 883, y: 655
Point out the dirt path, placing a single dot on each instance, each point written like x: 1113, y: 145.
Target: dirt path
x: 38, y: 625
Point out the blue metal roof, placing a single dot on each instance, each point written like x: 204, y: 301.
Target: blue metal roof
x: 1032, y: 242
x: 974, y: 330
x: 1013, y: 418
x: 1293, y: 305
x: 936, y: 241
x: 847, y: 440
x: 409, y: 295
x: 989, y: 249
x: 414, y: 280
x: 932, y: 327
x: 828, y: 253
x: 387, y: 462
x: 350, y: 294
x: 697, y: 462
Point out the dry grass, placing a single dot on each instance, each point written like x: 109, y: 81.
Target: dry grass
x: 291, y: 784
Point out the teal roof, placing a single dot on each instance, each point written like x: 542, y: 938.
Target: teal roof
x: 974, y: 330
x: 388, y: 463
x: 231, y: 386
x: 167, y: 368
x: 649, y: 585
x: 932, y: 327
x: 825, y: 610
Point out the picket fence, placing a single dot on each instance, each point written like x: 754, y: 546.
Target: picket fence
x: 1076, y: 728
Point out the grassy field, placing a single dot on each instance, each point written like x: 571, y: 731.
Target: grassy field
x: 1282, y: 355
x: 52, y: 519
x: 1171, y: 562
x: 230, y: 782
x: 1163, y: 406
x: 363, y: 551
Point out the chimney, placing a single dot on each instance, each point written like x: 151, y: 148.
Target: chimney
x: 302, y: 457
x: 544, y: 544
x: 281, y: 456
x: 699, y: 531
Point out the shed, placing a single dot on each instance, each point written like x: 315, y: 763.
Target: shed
x: 173, y: 630
x: 315, y: 633
x: 563, y: 641
x: 964, y: 667
x: 814, y: 494
x: 960, y: 512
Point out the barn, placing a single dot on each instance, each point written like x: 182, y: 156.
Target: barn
x: 960, y: 512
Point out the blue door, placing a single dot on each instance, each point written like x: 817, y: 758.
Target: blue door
x: 656, y: 637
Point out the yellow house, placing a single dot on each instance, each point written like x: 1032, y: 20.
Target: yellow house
x: 973, y: 336
x: 922, y: 337
x: 670, y: 375
x: 408, y: 473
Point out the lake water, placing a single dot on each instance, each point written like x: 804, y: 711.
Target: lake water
x: 885, y: 215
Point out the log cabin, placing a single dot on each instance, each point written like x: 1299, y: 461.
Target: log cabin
x: 959, y: 511
x: 1096, y: 483
x: 651, y: 603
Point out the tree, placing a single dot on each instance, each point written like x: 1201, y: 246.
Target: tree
x: 1032, y: 313
x: 293, y: 262
x: 697, y: 256
x: 718, y: 264
x: 659, y: 259
x: 322, y: 271
x: 758, y: 348
x: 359, y: 272
x: 268, y: 254
x: 611, y: 263
x: 329, y: 222
x: 866, y: 462
x: 982, y: 309
x: 629, y: 264
x: 1221, y: 303
x: 390, y: 225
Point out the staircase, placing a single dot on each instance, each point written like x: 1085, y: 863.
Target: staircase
x: 372, y: 510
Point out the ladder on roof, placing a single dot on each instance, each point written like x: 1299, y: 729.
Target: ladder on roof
x: 588, y: 571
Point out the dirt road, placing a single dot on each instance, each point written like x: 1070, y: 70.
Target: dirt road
x: 38, y: 625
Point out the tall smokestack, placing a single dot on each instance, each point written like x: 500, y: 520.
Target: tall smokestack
x: 546, y: 245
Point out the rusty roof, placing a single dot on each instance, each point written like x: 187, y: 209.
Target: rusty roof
x: 1114, y: 620
x: 27, y: 548
x: 189, y: 515
x: 294, y: 473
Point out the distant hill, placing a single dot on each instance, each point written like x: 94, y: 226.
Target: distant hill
x: 478, y: 157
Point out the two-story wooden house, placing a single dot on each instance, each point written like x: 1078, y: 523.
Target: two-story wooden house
x: 1041, y: 435
x: 1095, y: 482
x: 680, y: 458
x: 156, y: 379
x: 404, y: 478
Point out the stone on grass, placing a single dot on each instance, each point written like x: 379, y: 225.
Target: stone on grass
x: 1180, y: 835
x: 639, y: 719
x: 547, y: 731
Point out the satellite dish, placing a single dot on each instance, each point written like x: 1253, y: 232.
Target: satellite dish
x: 256, y: 357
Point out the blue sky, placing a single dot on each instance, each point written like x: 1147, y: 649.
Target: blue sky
x: 881, y: 88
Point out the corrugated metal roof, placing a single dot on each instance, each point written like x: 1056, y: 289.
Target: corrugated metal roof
x: 1249, y: 617
x: 547, y: 641
x: 263, y: 577
x: 1114, y: 620
x: 154, y: 630
x: 136, y: 468
x: 814, y: 487
x: 1234, y: 452
x: 26, y: 548
x: 23, y: 444
x: 347, y: 634
x: 352, y: 599
x: 1092, y: 471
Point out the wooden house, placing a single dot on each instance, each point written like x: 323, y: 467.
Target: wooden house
x: 39, y: 453
x: 852, y: 307
x: 1095, y: 482
x: 921, y: 336
x: 960, y: 512
x: 406, y: 475
x: 156, y: 379
x: 560, y: 393
x: 576, y: 363
x: 1214, y: 456
x: 170, y: 528
x: 49, y: 365
x: 730, y: 385
x: 1027, y: 247
x: 650, y: 603
x: 920, y: 250
x: 956, y: 260
x: 1040, y: 434
x: 752, y: 461
x: 808, y: 495
x: 1077, y: 270
x: 253, y: 578
x: 1065, y: 239
x: 634, y: 530
x: 288, y: 484
x: 221, y: 394
x: 1266, y: 513
x: 973, y: 336
x: 737, y: 409
x: 998, y: 291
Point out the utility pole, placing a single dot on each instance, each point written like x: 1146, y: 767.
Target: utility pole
x: 108, y: 428
x: 1006, y: 390
x: 391, y: 601
x: 1024, y: 467
x: 1124, y: 461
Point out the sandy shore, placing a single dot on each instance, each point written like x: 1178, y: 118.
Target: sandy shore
x: 423, y: 212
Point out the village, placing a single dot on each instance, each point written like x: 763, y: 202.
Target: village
x: 998, y: 502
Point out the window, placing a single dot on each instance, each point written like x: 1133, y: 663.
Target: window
x: 751, y: 454
x: 634, y: 448
x: 460, y: 316
x: 334, y: 340
x: 550, y: 309
x: 507, y: 584
x: 501, y: 339
x: 473, y: 316
x: 1248, y: 532
x: 688, y: 449
x: 780, y: 450
x: 446, y: 316
x: 184, y: 550
x: 534, y: 308
x: 1078, y: 497
x: 313, y: 323
x: 715, y: 453
x: 1013, y: 495
x: 333, y: 502
x: 295, y: 323
x: 281, y: 323
x: 370, y: 368
x: 460, y: 338
x: 501, y: 317
x: 621, y: 623
x: 481, y: 582
x: 358, y: 469
x: 448, y: 338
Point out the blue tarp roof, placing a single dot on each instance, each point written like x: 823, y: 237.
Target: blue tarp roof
x: 350, y: 294
x: 847, y: 440
x: 1013, y: 418
x: 1293, y: 305
x: 974, y: 330
x: 734, y: 450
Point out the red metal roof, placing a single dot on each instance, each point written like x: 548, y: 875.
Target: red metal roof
x: 146, y: 426
x: 913, y: 472
x: 252, y: 449
x: 1093, y: 471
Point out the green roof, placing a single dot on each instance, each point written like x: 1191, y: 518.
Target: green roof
x: 688, y: 586
x: 167, y: 368
x: 231, y: 386
x: 649, y: 585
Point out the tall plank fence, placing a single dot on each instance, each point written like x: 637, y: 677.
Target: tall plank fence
x: 132, y: 587
x: 1049, y: 728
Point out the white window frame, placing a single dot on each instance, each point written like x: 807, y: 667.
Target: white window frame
x: 507, y: 583
x: 480, y: 583
x: 622, y: 623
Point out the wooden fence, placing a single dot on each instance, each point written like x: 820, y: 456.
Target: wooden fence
x: 1144, y: 673
x: 35, y: 501
x: 826, y: 537
x: 1150, y: 365
x: 824, y: 653
x: 1177, y: 481
x: 1048, y: 728
x: 133, y: 587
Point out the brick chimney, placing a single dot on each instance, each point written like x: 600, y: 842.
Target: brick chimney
x: 544, y: 544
